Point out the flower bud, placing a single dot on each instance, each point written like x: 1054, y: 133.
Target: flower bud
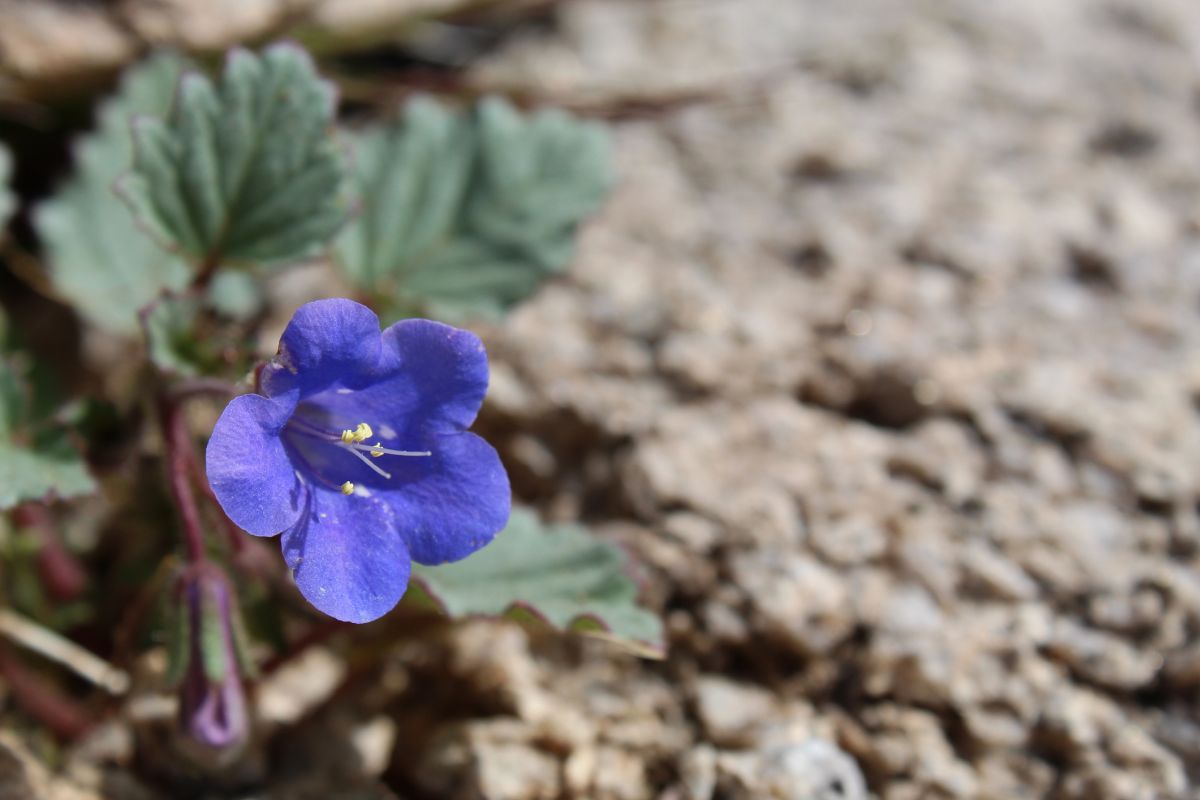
x: 208, y: 658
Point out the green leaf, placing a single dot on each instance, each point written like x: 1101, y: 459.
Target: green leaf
x: 234, y: 295
x: 244, y: 171
x: 537, y: 177
x: 468, y: 214
x: 8, y: 202
x: 561, y: 575
x: 170, y: 345
x: 412, y: 176
x: 36, y: 457
x: 470, y: 277
x: 189, y: 334
x: 99, y: 260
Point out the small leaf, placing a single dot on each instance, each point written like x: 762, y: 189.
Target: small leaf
x: 99, y: 260
x: 246, y: 171
x: 36, y: 458
x: 536, y: 178
x: 8, y: 203
x: 562, y: 575
x: 189, y: 334
x: 472, y: 278
x: 412, y: 175
x: 234, y: 295
x: 170, y: 345
x: 468, y: 214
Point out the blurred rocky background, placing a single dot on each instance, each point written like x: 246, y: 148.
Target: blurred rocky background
x: 883, y: 359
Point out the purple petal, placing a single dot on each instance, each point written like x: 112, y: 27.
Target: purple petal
x: 249, y: 469
x: 214, y: 714
x: 452, y: 503
x: 347, y: 557
x: 447, y: 367
x: 327, y: 342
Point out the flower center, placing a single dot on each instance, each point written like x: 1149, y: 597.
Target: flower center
x: 354, y: 442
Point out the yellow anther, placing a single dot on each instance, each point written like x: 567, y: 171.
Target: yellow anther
x: 363, y: 432
x: 377, y: 450
x: 347, y: 488
x: 347, y: 437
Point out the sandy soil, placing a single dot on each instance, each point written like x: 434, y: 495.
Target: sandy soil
x: 883, y: 359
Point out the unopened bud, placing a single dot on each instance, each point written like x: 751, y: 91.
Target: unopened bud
x: 208, y: 658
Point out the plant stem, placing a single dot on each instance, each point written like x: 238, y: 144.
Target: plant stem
x: 191, y: 387
x: 208, y: 268
x: 41, y: 699
x: 178, y: 444
x: 237, y: 539
x: 60, y: 571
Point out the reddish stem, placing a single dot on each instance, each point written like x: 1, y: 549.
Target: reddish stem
x: 178, y: 444
x: 60, y: 571
x: 191, y: 387
x: 237, y: 539
x: 208, y: 268
x: 42, y: 700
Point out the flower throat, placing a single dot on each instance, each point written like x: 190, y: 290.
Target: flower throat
x: 354, y: 442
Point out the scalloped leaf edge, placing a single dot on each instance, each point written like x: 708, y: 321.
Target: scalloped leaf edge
x: 586, y: 624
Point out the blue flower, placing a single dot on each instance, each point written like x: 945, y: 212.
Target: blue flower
x: 356, y: 450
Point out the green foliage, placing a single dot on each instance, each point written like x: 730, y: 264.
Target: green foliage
x: 8, y: 203
x: 234, y: 295
x: 246, y: 171
x: 536, y: 177
x: 412, y: 176
x: 98, y: 259
x: 469, y: 213
x: 561, y: 575
x: 189, y: 334
x: 36, y: 456
x: 170, y: 345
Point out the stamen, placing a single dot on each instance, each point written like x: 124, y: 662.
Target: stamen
x: 377, y: 450
x: 352, y: 440
x: 367, y: 461
x: 302, y: 426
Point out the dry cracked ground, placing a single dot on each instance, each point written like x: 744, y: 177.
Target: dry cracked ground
x: 884, y: 362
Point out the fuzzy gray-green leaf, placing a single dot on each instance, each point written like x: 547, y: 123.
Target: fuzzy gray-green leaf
x: 98, y: 259
x: 466, y: 214
x: 244, y: 171
x: 36, y: 459
x: 536, y: 177
x: 412, y: 175
x: 167, y: 330
x: 562, y: 575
